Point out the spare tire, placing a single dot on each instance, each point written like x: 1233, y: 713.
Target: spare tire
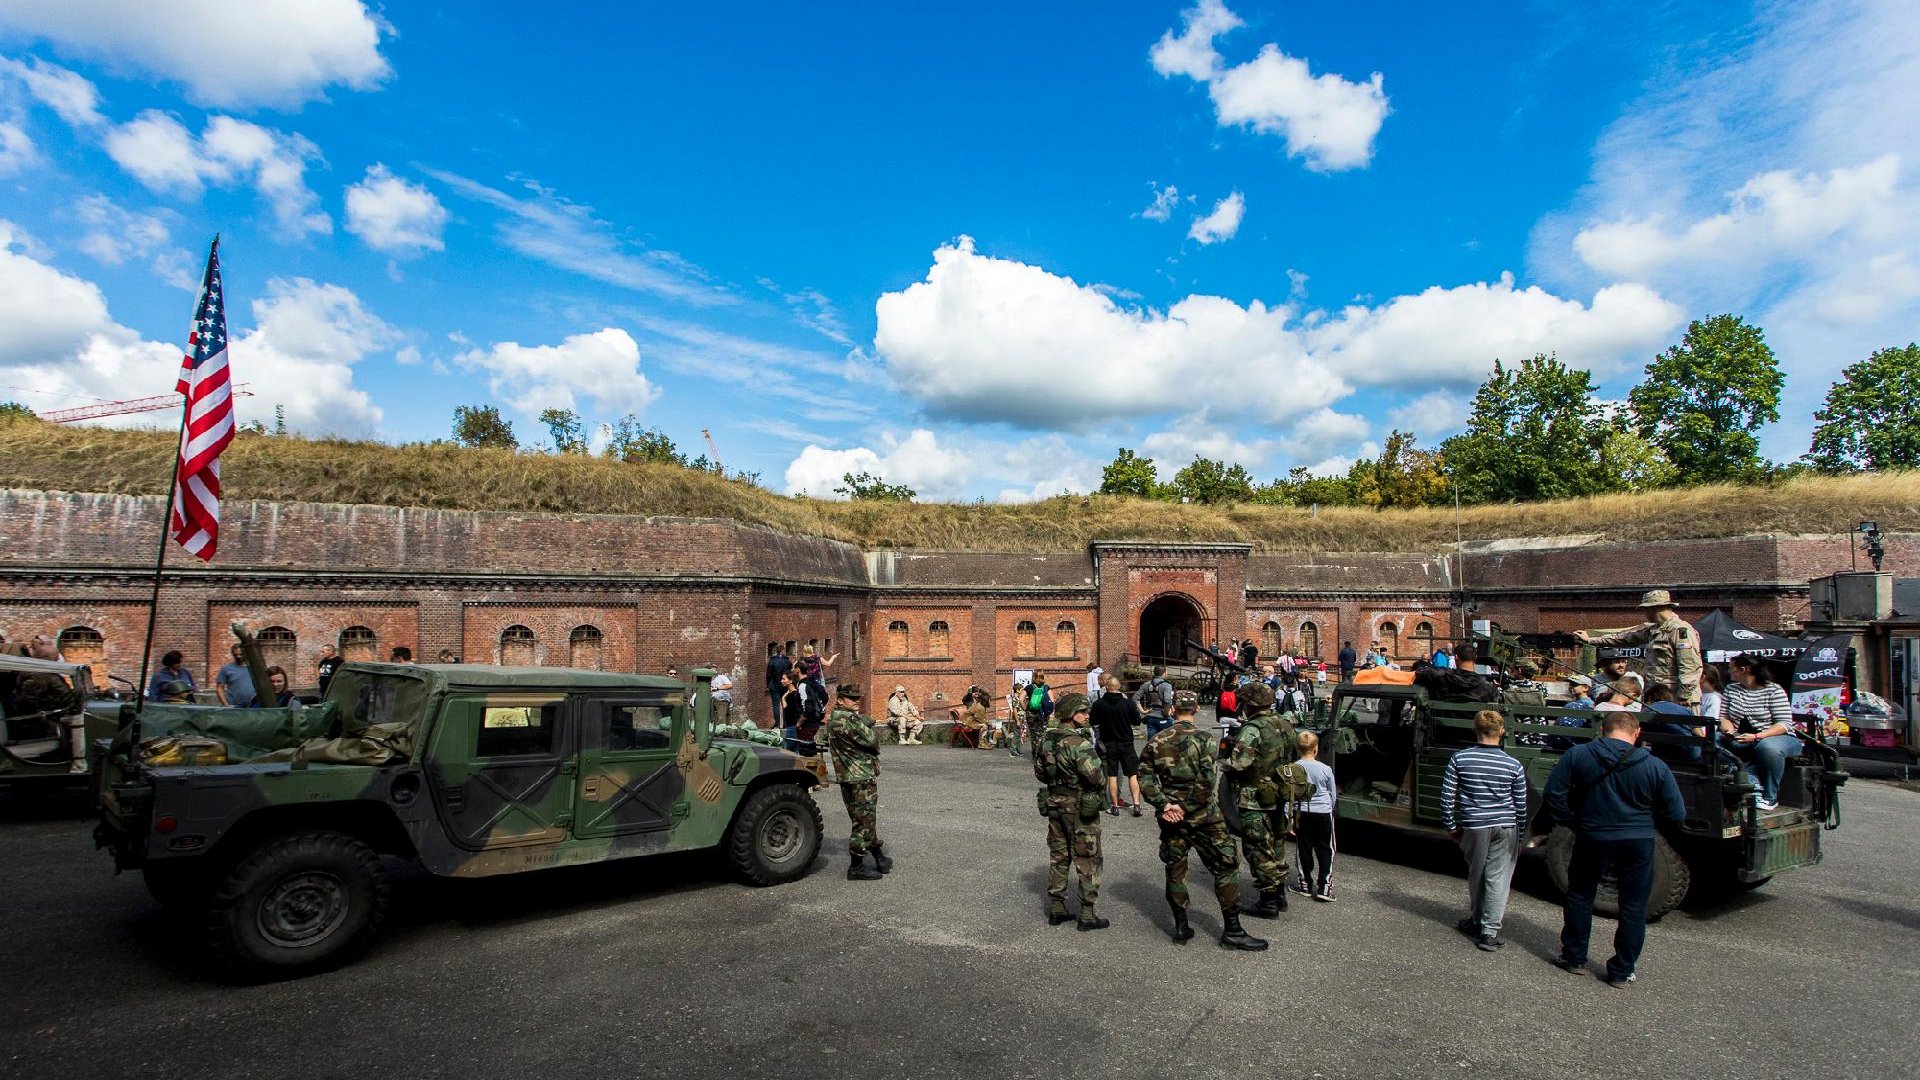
x: 1672, y: 877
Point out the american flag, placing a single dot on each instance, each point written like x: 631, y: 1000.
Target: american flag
x: 209, y: 424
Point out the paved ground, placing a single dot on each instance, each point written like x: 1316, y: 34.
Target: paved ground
x: 948, y: 969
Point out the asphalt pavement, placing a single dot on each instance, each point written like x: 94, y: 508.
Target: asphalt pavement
x: 948, y: 969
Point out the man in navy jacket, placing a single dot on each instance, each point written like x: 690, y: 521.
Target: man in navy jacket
x: 1612, y: 793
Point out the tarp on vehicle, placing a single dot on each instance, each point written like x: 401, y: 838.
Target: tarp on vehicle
x: 1383, y: 676
x: 247, y: 733
x: 1722, y: 638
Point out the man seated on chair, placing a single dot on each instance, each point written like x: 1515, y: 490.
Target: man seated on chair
x: 969, y: 719
x: 904, y: 717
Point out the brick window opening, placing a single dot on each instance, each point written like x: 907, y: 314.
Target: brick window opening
x: 1310, y: 641
x: 584, y: 648
x: 84, y: 645
x: 1026, y: 639
x: 853, y: 641
x: 1423, y: 638
x: 792, y: 654
x: 897, y: 638
x: 359, y: 643
x: 517, y: 646
x: 279, y: 647
x: 1389, y: 639
x: 937, y: 638
x: 1270, y: 639
x: 1066, y: 639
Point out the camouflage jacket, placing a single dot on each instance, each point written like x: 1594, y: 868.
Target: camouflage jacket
x: 1067, y: 762
x: 1177, y: 767
x: 1262, y: 745
x: 856, y: 749
x: 1673, y: 653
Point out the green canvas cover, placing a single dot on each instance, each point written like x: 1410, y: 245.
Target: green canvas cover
x: 375, y: 745
x: 247, y: 733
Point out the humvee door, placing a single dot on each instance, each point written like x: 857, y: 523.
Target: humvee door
x: 629, y: 779
x: 501, y: 769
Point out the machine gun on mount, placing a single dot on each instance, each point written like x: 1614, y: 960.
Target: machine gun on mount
x: 1208, y: 680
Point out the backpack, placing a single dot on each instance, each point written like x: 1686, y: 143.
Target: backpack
x: 813, y: 706
x: 1037, y: 696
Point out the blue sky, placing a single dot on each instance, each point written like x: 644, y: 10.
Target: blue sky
x: 973, y: 249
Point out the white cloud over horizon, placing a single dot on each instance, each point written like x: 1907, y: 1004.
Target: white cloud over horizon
x: 226, y: 54
x: 1329, y: 121
x: 603, y: 366
x: 71, y: 96
x: 394, y: 215
x: 157, y: 150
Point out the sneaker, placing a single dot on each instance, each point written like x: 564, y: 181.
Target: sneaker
x: 1324, y: 897
x: 1114, y: 809
x: 1569, y: 966
x: 1468, y: 927
x: 1136, y: 809
x: 1619, y: 982
x: 1488, y: 943
x: 1765, y: 807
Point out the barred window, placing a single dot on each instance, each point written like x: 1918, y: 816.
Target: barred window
x: 585, y: 648
x: 1310, y: 640
x: 1066, y: 639
x: 897, y: 638
x: 359, y: 643
x: 517, y: 646
x: 1270, y: 639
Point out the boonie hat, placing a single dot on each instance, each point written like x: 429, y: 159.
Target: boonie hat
x: 1656, y: 598
x: 1256, y: 696
x: 901, y: 689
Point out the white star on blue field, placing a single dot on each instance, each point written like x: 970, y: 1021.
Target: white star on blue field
x: 972, y: 248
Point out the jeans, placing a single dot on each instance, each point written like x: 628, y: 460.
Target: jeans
x: 1767, y: 761
x: 1632, y: 863
x: 1491, y: 855
x: 1157, y: 724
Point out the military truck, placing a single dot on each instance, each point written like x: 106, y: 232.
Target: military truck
x: 43, y: 749
x: 269, y: 826
x: 1389, y: 746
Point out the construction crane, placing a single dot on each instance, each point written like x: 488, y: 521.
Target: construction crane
x: 712, y: 450
x: 130, y: 405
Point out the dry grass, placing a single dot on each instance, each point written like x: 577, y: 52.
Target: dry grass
x: 53, y: 457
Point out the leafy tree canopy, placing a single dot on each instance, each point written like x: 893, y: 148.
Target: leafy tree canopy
x: 1210, y: 481
x: 1535, y: 433
x: 1129, y: 474
x: 567, y: 431
x: 1403, y: 475
x: 482, y: 426
x: 866, y: 487
x: 1703, y: 399
x: 1871, y: 419
x: 628, y: 441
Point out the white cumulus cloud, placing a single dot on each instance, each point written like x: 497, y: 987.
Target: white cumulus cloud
x: 393, y: 215
x: 162, y: 154
x: 1164, y: 200
x: 226, y: 53
x: 1329, y: 121
x: 17, y: 151
x: 114, y: 236
x: 70, y: 95
x: 307, y: 337
x: 948, y: 468
x: 1221, y: 222
x: 603, y: 366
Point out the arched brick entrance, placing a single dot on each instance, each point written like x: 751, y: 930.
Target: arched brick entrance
x: 1166, y: 623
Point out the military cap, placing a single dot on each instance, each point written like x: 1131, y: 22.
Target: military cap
x: 1656, y: 598
x: 1071, y: 704
x: 848, y: 691
x: 1185, y: 699
x: 1257, y: 695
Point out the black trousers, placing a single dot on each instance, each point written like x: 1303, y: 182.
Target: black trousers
x: 1314, y: 833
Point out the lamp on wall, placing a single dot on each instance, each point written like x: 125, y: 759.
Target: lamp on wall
x: 1876, y: 551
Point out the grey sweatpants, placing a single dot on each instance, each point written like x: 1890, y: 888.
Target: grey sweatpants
x: 1491, y: 855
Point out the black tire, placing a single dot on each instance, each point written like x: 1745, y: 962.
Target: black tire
x: 775, y: 835
x: 178, y: 887
x: 297, y: 903
x: 1672, y: 877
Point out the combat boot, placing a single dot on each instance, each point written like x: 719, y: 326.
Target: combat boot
x: 1091, y: 921
x: 858, y: 870
x: 1268, y: 907
x: 882, y: 861
x: 1057, y: 912
x: 1233, y: 937
x: 1182, y: 929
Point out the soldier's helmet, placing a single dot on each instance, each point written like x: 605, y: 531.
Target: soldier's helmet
x: 1071, y: 704
x: 1256, y: 696
x: 1185, y: 701
x: 848, y: 692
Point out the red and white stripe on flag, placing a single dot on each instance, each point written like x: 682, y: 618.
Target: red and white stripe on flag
x: 209, y: 424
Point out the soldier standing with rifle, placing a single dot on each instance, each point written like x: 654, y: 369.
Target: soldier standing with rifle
x: 1673, y: 646
x: 1177, y: 777
x: 1262, y: 745
x: 1075, y: 792
x: 856, y: 757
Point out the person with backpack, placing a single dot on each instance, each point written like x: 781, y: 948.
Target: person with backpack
x: 1156, y: 701
x: 1612, y: 793
x: 1040, y: 699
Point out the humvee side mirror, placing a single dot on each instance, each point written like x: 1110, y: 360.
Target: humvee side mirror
x: 701, y: 707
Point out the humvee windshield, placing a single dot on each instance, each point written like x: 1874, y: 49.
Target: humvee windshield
x: 365, y: 698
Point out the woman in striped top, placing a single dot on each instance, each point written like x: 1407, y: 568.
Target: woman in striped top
x: 1755, y: 711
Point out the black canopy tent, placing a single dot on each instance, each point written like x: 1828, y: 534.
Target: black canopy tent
x: 1722, y: 638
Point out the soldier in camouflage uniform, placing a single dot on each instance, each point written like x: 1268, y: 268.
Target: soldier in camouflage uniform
x: 1036, y: 720
x: 1672, y: 644
x: 1177, y: 777
x: 1075, y: 793
x: 856, y: 756
x: 1262, y: 745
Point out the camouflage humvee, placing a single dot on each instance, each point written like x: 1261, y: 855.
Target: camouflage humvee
x: 43, y: 750
x: 270, y: 824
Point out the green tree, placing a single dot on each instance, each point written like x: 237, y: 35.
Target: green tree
x: 1300, y: 488
x: 1632, y: 463
x: 482, y: 426
x: 1130, y: 474
x: 567, y: 431
x: 629, y: 442
x: 1210, y: 481
x: 866, y: 487
x: 1703, y: 400
x: 1871, y: 419
x: 1403, y: 475
x: 1535, y: 433
x: 13, y: 411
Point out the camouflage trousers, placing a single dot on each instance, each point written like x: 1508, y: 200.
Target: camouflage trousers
x: 1072, y: 842
x: 863, y: 803
x: 1263, y: 840
x: 1209, y: 839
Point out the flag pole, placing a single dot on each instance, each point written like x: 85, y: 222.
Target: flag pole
x: 160, y: 560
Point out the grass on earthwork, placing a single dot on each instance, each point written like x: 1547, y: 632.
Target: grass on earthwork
x: 39, y: 455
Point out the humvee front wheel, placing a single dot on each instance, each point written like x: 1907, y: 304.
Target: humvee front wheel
x: 775, y: 836
x: 1671, y: 876
x: 297, y: 903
